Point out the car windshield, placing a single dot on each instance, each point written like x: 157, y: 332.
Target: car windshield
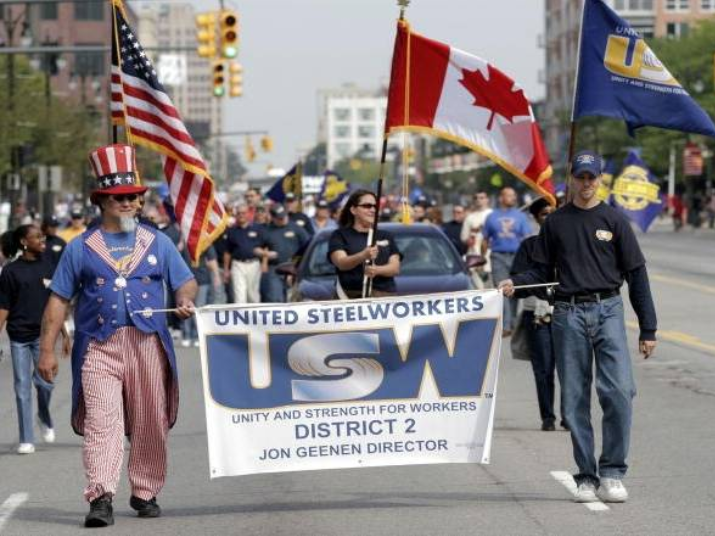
x: 423, y: 255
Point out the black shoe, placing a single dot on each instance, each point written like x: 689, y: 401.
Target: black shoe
x: 101, y: 513
x: 564, y: 425
x: 145, y: 508
x: 548, y: 426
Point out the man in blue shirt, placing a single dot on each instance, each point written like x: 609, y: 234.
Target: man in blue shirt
x: 503, y: 232
x: 123, y: 364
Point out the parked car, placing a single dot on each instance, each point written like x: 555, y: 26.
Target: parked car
x: 430, y: 264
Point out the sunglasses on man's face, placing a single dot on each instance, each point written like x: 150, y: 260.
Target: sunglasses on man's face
x: 121, y: 198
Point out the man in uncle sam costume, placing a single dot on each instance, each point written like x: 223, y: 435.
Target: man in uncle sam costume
x: 123, y: 363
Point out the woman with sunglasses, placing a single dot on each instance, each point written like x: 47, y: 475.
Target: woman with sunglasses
x: 23, y: 295
x: 349, y: 251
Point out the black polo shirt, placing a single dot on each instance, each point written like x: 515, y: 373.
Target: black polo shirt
x: 54, y: 246
x: 302, y: 221
x: 240, y: 242
x: 288, y: 241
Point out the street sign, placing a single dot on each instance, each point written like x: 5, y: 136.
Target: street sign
x: 172, y: 69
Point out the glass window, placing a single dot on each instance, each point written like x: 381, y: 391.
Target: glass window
x: 48, y: 11
x: 342, y: 131
x: 90, y: 63
x: 342, y: 114
x: 707, y: 5
x: 343, y: 149
x: 677, y: 5
x: 619, y: 5
x: 366, y: 114
x: 89, y: 11
x: 366, y: 131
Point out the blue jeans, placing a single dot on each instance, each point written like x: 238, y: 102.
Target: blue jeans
x: 25, y: 358
x: 583, y: 332
x: 501, y: 266
x: 543, y: 363
x: 273, y: 287
x: 188, y: 326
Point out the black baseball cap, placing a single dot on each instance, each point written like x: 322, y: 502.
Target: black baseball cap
x: 322, y: 204
x: 50, y: 221
x: 75, y: 214
x: 278, y: 211
x: 290, y: 196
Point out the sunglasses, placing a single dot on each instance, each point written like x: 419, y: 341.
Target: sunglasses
x: 367, y: 205
x: 121, y: 198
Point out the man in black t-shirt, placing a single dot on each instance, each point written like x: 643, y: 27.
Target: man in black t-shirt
x: 54, y: 245
x: 593, y: 249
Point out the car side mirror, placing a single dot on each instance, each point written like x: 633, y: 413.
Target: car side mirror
x: 286, y: 269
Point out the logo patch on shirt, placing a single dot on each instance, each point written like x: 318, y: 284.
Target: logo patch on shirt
x: 252, y: 234
x: 604, y: 236
x: 301, y: 223
x: 289, y: 234
x: 46, y: 282
x: 151, y: 259
x: 382, y: 243
x: 56, y: 248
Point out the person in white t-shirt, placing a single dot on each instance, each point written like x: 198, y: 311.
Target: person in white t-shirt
x: 472, y: 235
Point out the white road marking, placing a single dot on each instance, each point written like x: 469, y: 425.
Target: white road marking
x: 10, y: 505
x: 568, y: 482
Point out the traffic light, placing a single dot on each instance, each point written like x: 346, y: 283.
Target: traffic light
x: 250, y: 150
x: 235, y: 80
x: 206, y: 35
x: 219, y: 77
x: 267, y: 144
x: 229, y: 34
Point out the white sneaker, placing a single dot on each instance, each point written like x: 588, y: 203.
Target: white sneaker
x: 185, y: 343
x: 25, y: 448
x: 48, y: 434
x: 612, y: 490
x: 196, y: 344
x: 586, y: 493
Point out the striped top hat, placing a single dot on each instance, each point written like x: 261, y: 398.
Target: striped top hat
x: 114, y: 169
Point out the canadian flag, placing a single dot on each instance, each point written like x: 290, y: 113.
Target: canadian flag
x: 441, y: 90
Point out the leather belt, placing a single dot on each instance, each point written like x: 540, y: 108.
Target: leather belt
x: 587, y: 298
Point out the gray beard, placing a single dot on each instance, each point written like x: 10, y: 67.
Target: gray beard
x: 127, y: 224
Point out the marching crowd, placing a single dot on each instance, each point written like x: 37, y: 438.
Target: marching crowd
x: 117, y: 269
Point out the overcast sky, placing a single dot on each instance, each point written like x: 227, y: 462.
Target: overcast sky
x: 292, y: 48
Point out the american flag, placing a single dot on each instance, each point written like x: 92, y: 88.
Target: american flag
x: 143, y: 107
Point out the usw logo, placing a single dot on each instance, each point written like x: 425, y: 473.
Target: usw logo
x: 352, y: 365
x: 631, y: 57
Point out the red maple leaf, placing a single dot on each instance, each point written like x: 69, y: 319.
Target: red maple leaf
x: 496, y: 94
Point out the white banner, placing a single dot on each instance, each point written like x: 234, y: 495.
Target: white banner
x: 363, y: 383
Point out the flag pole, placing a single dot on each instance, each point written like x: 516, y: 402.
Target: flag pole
x: 574, y: 128
x: 367, y: 287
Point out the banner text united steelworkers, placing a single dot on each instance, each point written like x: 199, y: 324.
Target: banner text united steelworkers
x: 346, y: 313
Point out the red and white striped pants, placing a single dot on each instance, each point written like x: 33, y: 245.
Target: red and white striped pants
x: 125, y: 377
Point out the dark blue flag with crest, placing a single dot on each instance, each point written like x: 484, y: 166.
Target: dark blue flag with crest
x: 335, y: 190
x: 291, y: 182
x: 636, y: 192
x: 619, y: 76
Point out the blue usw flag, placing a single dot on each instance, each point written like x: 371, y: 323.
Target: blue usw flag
x: 335, y: 189
x: 636, y: 192
x: 619, y: 76
x: 291, y: 182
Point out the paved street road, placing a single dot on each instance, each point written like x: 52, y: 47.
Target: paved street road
x: 672, y: 455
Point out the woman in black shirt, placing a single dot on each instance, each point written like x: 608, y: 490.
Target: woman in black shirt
x: 349, y: 251
x: 24, y: 290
